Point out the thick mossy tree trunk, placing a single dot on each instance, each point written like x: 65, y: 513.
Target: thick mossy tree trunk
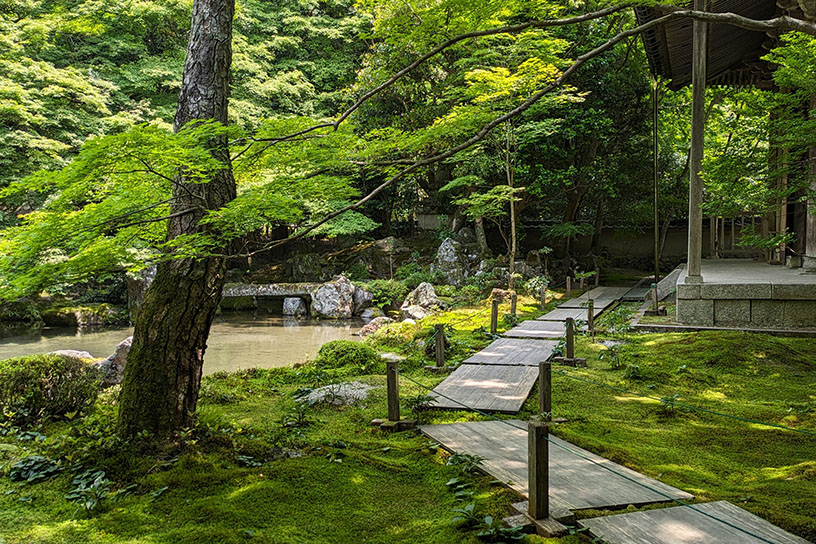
x: 163, y: 372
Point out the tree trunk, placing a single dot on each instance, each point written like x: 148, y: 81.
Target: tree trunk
x: 513, y: 242
x: 481, y: 237
x: 163, y: 372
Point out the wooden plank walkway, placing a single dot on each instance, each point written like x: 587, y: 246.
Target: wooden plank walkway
x: 682, y: 525
x: 489, y: 388
x: 538, y: 329
x: 561, y: 314
x: 513, y: 351
x: 575, y: 483
x: 604, y: 297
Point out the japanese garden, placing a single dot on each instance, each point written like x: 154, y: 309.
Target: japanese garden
x: 403, y: 271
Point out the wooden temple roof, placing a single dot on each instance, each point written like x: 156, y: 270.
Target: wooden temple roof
x: 734, y: 54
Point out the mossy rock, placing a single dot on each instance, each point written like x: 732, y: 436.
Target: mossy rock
x: 85, y: 316
x: 238, y: 304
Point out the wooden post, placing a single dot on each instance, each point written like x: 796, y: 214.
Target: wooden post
x: 543, y: 296
x: 440, y: 345
x: 597, y: 277
x: 581, y: 283
x: 695, y: 232
x: 538, y: 469
x: 591, y: 316
x: 569, y: 286
x: 655, y: 302
x: 392, y: 386
x: 494, y: 317
x: 570, y: 338
x: 545, y: 390
x: 513, y: 303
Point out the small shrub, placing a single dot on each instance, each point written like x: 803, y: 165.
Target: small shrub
x: 90, y: 491
x: 348, y: 354
x: 533, y: 286
x: 37, y: 386
x: 34, y: 468
x: 470, y: 294
x: 387, y: 294
x: 633, y: 372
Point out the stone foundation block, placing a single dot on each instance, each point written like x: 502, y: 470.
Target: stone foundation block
x: 767, y: 313
x: 732, y: 312
x: 698, y: 312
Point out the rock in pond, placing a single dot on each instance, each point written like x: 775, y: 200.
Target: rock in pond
x: 334, y: 299
x: 362, y: 300
x: 421, y: 302
x: 294, y: 306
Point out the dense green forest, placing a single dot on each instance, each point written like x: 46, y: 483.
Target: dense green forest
x: 107, y: 76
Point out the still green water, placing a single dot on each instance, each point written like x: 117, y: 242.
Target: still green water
x: 237, y: 340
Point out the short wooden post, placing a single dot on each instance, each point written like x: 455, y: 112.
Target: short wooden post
x: 538, y: 469
x: 513, y: 303
x: 494, y: 317
x: 569, y: 286
x: 440, y: 344
x: 581, y: 283
x: 570, y: 338
x: 545, y: 389
x: 392, y: 386
x: 655, y: 302
x: 543, y: 296
x: 591, y: 316
x: 597, y: 277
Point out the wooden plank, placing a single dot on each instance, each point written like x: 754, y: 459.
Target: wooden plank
x: 578, y: 479
x: 561, y: 314
x: 537, y: 329
x: 683, y: 524
x: 489, y: 388
x: 513, y: 351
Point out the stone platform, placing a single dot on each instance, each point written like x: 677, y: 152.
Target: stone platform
x: 746, y: 293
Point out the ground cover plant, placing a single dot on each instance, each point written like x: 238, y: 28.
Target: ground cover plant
x: 260, y: 466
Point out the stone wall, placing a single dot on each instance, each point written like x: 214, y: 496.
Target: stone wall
x: 749, y: 305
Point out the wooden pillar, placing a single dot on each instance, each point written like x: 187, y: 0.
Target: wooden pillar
x: 695, y: 232
x: 538, y: 469
x: 712, y: 235
x: 494, y: 317
x: 809, y: 262
x: 543, y: 295
x: 440, y: 345
x: 591, y: 316
x: 513, y: 303
x: 569, y: 286
x: 732, y: 241
x: 656, y: 174
x: 597, y: 277
x: 545, y: 390
x: 392, y: 387
x: 570, y: 338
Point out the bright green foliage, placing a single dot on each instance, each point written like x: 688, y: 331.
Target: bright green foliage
x: 349, y: 354
x: 388, y: 294
x: 45, y: 385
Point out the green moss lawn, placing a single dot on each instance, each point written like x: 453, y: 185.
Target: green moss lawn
x: 259, y: 468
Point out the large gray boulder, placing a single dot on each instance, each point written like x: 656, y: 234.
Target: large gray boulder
x: 334, y: 299
x: 452, y: 260
x: 113, y: 368
x: 362, y: 300
x: 424, y: 296
x: 294, y: 306
x: 73, y: 354
x: 374, y: 325
x: 415, y: 312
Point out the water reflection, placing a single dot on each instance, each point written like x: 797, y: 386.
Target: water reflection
x: 237, y: 340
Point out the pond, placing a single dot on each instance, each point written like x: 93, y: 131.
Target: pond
x: 237, y: 340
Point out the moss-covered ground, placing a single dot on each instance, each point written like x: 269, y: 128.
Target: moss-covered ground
x: 261, y: 468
